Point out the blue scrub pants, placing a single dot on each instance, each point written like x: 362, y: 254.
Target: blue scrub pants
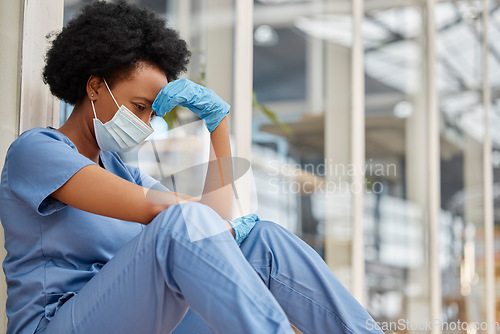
x: 272, y: 280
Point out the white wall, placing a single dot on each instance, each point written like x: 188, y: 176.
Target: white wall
x: 23, y: 26
x: 10, y: 39
x: 38, y: 107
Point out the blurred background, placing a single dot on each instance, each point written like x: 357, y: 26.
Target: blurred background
x: 419, y: 228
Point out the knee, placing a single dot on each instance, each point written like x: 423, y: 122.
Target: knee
x: 265, y: 240
x: 266, y: 229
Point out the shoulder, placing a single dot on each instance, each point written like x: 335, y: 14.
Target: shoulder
x: 40, y: 136
x: 40, y: 144
x: 49, y: 132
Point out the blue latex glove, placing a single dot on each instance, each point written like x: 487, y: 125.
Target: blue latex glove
x: 242, y: 226
x: 202, y: 101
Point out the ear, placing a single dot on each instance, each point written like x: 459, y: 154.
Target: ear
x: 93, y: 85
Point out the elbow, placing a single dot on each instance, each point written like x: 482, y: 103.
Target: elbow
x: 152, y: 211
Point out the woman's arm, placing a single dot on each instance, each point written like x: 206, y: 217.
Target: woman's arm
x: 204, y: 103
x: 219, y: 174
x: 96, y: 190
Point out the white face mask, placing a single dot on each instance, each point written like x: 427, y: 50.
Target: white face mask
x: 123, y: 132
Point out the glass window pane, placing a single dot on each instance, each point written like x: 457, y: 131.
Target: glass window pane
x: 397, y: 273
x: 302, y: 68
x: 494, y: 76
x: 462, y: 130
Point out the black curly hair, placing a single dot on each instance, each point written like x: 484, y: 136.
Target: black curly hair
x: 109, y: 40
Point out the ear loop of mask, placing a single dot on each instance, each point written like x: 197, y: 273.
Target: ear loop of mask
x: 92, y: 102
x: 111, y: 93
x: 93, y: 108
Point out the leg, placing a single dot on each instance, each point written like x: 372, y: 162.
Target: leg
x: 193, y: 323
x: 312, y: 297
x: 148, y: 285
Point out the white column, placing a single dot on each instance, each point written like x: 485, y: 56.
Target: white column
x: 181, y: 19
x: 473, y: 179
x: 11, y: 14
x: 489, y: 235
x: 219, y: 50
x: 358, y: 152
x: 433, y: 198
x: 38, y: 107
x: 417, y: 187
x: 315, y: 73
x: 315, y: 68
x: 241, y: 114
x: 338, y: 138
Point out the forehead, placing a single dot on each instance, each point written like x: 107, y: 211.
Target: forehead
x: 145, y: 78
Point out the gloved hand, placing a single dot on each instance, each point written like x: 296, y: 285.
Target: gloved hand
x: 242, y: 226
x: 203, y: 102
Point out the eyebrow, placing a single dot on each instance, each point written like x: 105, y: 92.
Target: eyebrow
x: 145, y: 99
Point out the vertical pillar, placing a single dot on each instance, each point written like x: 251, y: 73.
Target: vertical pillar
x: 219, y: 49
x: 417, y: 186
x: 181, y: 19
x: 315, y: 72
x: 338, y: 138
x: 473, y: 215
x: 433, y: 172
x: 489, y: 233
x: 243, y: 86
x: 358, y: 151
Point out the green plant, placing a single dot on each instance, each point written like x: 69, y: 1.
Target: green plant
x: 270, y: 114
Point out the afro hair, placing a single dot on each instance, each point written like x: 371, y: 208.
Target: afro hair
x: 108, y: 40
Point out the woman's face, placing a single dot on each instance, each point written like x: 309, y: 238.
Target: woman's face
x: 137, y: 92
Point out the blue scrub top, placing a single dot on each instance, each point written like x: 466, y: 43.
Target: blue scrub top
x: 52, y: 248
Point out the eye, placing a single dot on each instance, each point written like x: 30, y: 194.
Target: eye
x: 153, y: 114
x: 140, y: 106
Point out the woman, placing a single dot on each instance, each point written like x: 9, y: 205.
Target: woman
x: 96, y: 246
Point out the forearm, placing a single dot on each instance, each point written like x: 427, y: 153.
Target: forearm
x: 219, y: 173
x: 217, y: 191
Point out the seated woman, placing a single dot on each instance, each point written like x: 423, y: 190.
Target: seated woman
x: 92, y: 247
